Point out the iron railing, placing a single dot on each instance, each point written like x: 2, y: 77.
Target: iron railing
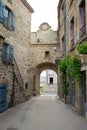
x: 18, y: 76
x: 16, y: 72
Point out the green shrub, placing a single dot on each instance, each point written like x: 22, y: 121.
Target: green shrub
x: 82, y: 49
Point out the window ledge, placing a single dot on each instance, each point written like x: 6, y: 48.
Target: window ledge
x: 10, y: 29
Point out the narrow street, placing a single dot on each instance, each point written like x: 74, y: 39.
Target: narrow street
x: 42, y: 113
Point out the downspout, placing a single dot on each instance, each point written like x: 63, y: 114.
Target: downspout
x: 65, y: 27
x: 65, y: 96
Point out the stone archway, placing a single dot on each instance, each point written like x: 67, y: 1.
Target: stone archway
x: 44, y: 48
x: 39, y: 68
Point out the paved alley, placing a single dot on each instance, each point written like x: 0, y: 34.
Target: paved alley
x: 42, y: 113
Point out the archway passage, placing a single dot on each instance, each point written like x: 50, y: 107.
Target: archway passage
x: 48, y: 83
x: 39, y: 69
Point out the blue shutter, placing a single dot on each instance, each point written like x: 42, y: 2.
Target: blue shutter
x: 11, y: 53
x: 5, y: 15
x: 3, y: 52
x: 2, y: 9
x: 3, y: 97
x: 13, y: 20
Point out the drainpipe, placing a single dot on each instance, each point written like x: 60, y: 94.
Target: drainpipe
x: 65, y: 27
x: 65, y: 96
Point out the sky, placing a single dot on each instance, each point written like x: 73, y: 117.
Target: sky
x: 44, y: 11
x: 43, y: 74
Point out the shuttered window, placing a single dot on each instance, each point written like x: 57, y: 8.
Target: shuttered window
x: 7, y: 17
x: 63, y: 44
x: 13, y: 20
x: 72, y: 32
x: 7, y: 53
x: 11, y: 53
x: 2, y: 7
x: 82, y: 18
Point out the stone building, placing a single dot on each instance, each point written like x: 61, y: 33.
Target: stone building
x: 72, y: 29
x: 44, y: 49
x: 51, y: 81
x: 15, y: 33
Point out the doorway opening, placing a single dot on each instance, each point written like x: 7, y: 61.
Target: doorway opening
x: 48, y: 83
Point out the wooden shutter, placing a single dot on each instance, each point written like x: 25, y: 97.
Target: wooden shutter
x: 2, y: 9
x: 11, y: 53
x: 4, y: 52
x: 3, y: 97
x: 82, y: 15
x: 13, y: 20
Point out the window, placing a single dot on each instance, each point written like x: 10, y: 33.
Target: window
x: 7, y: 53
x: 1, y: 41
x: 7, y: 17
x: 47, y: 54
x: 84, y: 85
x: 51, y: 80
x: 72, y: 31
x: 82, y: 18
x: 26, y: 85
x: 62, y: 44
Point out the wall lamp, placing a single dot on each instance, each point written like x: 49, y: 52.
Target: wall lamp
x: 55, y: 48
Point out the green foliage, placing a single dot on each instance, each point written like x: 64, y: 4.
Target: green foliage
x: 63, y: 64
x: 64, y: 89
x: 63, y: 67
x: 41, y: 88
x: 70, y: 67
x: 82, y: 49
x: 74, y: 67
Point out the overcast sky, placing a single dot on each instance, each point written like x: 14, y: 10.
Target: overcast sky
x: 44, y: 11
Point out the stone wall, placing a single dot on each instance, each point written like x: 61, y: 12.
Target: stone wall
x: 42, y: 41
x: 72, y: 11
x: 44, y: 48
x: 20, y: 39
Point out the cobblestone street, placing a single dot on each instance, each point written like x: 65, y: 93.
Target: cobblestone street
x: 42, y: 113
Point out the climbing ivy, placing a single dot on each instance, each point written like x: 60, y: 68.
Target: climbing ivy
x: 74, y: 68
x: 63, y: 67
x: 64, y: 64
x: 70, y: 67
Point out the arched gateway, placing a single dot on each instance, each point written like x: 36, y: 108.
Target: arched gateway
x: 41, y: 67
x: 44, y: 49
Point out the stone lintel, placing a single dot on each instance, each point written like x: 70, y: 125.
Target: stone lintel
x: 84, y: 68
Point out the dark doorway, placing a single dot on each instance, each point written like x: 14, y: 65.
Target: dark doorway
x: 51, y: 80
x: 84, y: 107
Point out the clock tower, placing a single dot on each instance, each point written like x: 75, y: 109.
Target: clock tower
x: 44, y: 26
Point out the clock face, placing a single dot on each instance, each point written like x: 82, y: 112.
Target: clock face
x: 44, y: 27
